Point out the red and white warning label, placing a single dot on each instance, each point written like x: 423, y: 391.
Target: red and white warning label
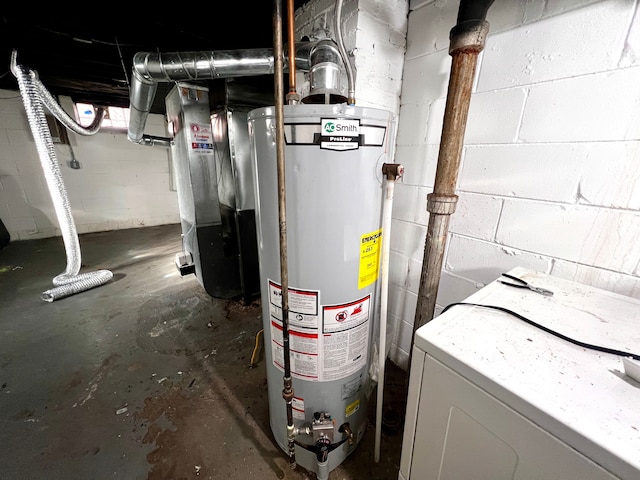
x: 321, y: 348
x: 303, y: 322
x: 303, y: 351
x: 201, y: 138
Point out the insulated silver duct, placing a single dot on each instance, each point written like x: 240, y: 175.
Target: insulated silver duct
x: 151, y: 68
x: 58, y: 112
x: 75, y: 284
x: 33, y: 96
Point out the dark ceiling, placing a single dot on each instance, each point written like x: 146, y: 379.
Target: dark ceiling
x: 87, y: 54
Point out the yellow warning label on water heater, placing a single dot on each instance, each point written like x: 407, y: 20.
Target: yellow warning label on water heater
x: 352, y: 408
x: 369, y: 258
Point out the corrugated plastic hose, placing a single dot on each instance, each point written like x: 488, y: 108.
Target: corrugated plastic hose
x: 32, y: 91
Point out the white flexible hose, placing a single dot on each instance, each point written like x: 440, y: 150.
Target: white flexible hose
x: 384, y: 294
x: 68, y: 282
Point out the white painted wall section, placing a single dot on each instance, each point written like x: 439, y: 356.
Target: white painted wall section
x: 119, y: 185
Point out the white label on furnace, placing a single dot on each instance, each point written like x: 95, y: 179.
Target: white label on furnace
x: 201, y: 138
x: 345, y: 338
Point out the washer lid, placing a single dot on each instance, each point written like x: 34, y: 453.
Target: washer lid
x: 580, y: 395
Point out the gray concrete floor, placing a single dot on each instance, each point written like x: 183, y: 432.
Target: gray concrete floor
x: 146, y: 377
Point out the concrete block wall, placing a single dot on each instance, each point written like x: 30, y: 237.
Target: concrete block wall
x: 551, y: 163
x: 119, y: 185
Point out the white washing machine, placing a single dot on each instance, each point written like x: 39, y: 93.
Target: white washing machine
x: 493, y: 397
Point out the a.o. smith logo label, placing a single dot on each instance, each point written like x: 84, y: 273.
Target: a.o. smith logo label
x: 340, y: 134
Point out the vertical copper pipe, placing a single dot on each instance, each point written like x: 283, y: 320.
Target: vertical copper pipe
x: 287, y: 390
x: 292, y: 49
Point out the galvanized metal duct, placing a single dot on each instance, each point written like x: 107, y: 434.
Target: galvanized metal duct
x: 326, y: 70
x: 151, y: 68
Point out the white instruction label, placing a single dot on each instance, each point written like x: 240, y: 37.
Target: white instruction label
x: 297, y: 407
x: 345, y: 336
x: 303, y: 306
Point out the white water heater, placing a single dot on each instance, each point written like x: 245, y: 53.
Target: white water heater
x: 334, y: 187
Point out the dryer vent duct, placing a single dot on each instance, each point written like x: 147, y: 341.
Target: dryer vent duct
x: 35, y: 96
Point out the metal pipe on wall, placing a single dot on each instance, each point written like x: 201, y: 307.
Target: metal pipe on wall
x: 287, y: 390
x: 467, y: 39
x: 351, y: 98
x: 292, y: 97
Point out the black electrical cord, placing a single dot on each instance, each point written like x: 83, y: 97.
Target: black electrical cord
x: 548, y: 330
